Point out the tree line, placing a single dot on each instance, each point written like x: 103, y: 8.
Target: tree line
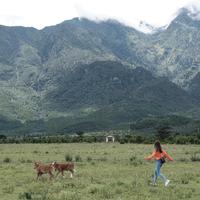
x: 163, y: 134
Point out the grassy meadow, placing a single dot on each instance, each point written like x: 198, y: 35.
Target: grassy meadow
x: 104, y: 171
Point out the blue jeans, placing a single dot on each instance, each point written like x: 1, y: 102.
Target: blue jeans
x: 157, y: 172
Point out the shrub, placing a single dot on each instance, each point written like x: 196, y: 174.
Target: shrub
x: 25, y: 195
x: 103, y: 159
x: 93, y: 190
x: 183, y: 159
x: 89, y: 158
x: 68, y: 158
x: 22, y: 160
x: 122, y: 141
x: 184, y: 181
x: 135, y: 163
x: 195, y: 158
x: 78, y: 158
x: 7, y: 160
x: 132, y: 158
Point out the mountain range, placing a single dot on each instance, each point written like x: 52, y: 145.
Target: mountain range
x: 86, y: 75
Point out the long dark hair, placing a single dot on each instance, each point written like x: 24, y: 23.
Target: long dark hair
x: 158, y: 147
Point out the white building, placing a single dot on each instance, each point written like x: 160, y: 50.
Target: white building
x: 110, y: 138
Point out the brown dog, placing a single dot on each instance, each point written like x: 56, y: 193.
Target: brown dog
x: 43, y: 169
x: 61, y: 167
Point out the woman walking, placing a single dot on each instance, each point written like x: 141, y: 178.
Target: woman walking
x: 159, y: 155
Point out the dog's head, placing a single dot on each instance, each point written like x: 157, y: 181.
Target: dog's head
x: 54, y: 165
x: 36, y: 165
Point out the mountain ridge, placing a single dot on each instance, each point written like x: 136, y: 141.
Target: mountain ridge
x: 43, y: 72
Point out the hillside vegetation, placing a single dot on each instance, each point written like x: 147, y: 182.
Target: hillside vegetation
x: 95, y: 76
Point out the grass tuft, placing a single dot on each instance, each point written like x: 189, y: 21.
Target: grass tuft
x: 68, y: 158
x: 78, y: 158
x: 195, y: 158
x: 7, y: 160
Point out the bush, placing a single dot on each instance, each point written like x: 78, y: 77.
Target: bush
x: 135, y: 163
x: 22, y: 160
x: 184, y: 180
x: 89, y: 159
x: 122, y: 141
x: 132, y: 158
x: 103, y: 159
x: 68, y: 158
x: 93, y: 190
x: 7, y: 160
x: 195, y: 158
x: 25, y: 195
x: 78, y: 158
x: 182, y: 159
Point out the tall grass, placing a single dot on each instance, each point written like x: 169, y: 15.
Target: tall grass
x: 102, y: 172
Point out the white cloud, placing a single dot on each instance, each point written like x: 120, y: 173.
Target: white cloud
x: 40, y: 13
x: 37, y: 13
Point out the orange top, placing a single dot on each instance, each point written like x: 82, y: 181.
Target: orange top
x: 157, y: 155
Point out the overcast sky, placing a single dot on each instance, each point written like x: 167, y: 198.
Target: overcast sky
x: 41, y: 13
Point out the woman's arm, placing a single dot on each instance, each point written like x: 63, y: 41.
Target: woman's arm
x: 151, y: 156
x: 168, y: 156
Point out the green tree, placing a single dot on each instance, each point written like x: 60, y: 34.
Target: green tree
x: 163, y: 132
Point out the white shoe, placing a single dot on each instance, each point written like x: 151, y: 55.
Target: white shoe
x: 167, y: 182
x: 153, y: 184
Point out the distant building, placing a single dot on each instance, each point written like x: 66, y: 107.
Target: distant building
x: 110, y: 138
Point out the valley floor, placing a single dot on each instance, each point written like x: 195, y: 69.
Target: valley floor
x: 104, y: 171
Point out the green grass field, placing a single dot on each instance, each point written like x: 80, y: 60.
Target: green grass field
x: 104, y: 171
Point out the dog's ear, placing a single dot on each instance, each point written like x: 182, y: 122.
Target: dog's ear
x: 35, y: 165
